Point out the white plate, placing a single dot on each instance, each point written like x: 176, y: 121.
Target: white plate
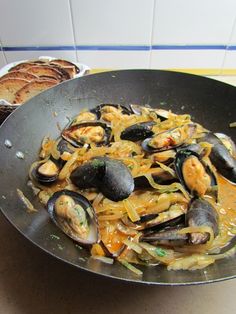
x: 83, y: 70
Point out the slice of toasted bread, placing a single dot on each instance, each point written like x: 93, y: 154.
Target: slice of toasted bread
x: 48, y: 77
x: 44, y: 70
x: 20, y: 75
x: 65, y: 75
x: 65, y: 63
x: 22, y: 66
x: 32, y: 89
x: 9, y: 87
x: 70, y: 70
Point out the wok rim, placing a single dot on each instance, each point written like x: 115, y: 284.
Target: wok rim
x: 100, y: 274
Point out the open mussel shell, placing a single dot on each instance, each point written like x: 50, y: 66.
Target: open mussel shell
x: 227, y: 142
x: 64, y: 147
x: 98, y: 109
x: 169, y: 139
x: 61, y: 147
x: 74, y: 215
x: 87, y: 132
x: 167, y: 236
x: 45, y: 172
x: 202, y: 213
x: 138, y: 131
x: 193, y: 174
x: 159, y: 176
x: 111, y: 177
x: 220, y: 157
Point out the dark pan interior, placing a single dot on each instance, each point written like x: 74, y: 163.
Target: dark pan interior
x: 209, y: 102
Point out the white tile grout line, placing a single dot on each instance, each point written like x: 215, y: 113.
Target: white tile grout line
x: 73, y: 28
x: 152, y: 32
x: 228, y: 43
x: 3, y: 53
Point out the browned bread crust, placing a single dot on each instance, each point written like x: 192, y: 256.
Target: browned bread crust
x: 45, y: 71
x: 65, y: 63
x: 32, y: 89
x: 22, y: 66
x: 9, y: 87
x: 20, y: 75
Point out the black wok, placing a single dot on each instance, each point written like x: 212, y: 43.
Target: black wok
x: 209, y: 102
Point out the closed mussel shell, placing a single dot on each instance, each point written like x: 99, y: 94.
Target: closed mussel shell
x: 138, y: 131
x: 220, y: 157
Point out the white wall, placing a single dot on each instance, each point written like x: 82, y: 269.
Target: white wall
x: 122, y: 33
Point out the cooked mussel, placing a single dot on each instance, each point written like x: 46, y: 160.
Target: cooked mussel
x: 106, y: 112
x: 84, y: 116
x: 192, y: 173
x: 74, y: 215
x: 220, y: 157
x: 202, y: 213
x: 89, y: 174
x: 61, y: 152
x: 169, y: 139
x: 45, y: 172
x: 168, y: 236
x: 138, y: 131
x: 87, y: 133
x: 109, y: 176
x: 159, y: 176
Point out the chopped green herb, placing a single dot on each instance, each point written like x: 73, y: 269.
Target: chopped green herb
x: 160, y: 252
x: 134, y: 154
x: 55, y: 237
x: 96, y: 163
x: 131, y: 167
x: 60, y: 247
x: 78, y: 247
x: 83, y: 139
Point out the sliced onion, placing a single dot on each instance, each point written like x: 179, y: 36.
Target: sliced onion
x: 132, y: 245
x: 130, y: 267
x: 103, y: 259
x: 131, y: 211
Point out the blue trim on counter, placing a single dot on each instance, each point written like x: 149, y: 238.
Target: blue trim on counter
x: 118, y: 47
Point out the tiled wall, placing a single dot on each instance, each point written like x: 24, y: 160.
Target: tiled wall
x: 175, y: 34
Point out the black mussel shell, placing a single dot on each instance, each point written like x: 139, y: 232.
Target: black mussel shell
x: 66, y: 133
x: 109, y: 176
x: 93, y: 235
x: 138, y: 131
x: 137, y: 109
x: 117, y: 183
x: 148, y: 148
x: 167, y: 236
x: 163, y: 178
x: 220, y: 157
x: 202, y: 213
x: 87, y: 175
x: 196, y: 148
x: 172, y: 223
x: 162, y: 114
x: 63, y: 146
x: 181, y: 157
x: 97, y: 110
x: 44, y: 179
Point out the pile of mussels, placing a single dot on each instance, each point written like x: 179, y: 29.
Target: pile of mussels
x: 74, y: 214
